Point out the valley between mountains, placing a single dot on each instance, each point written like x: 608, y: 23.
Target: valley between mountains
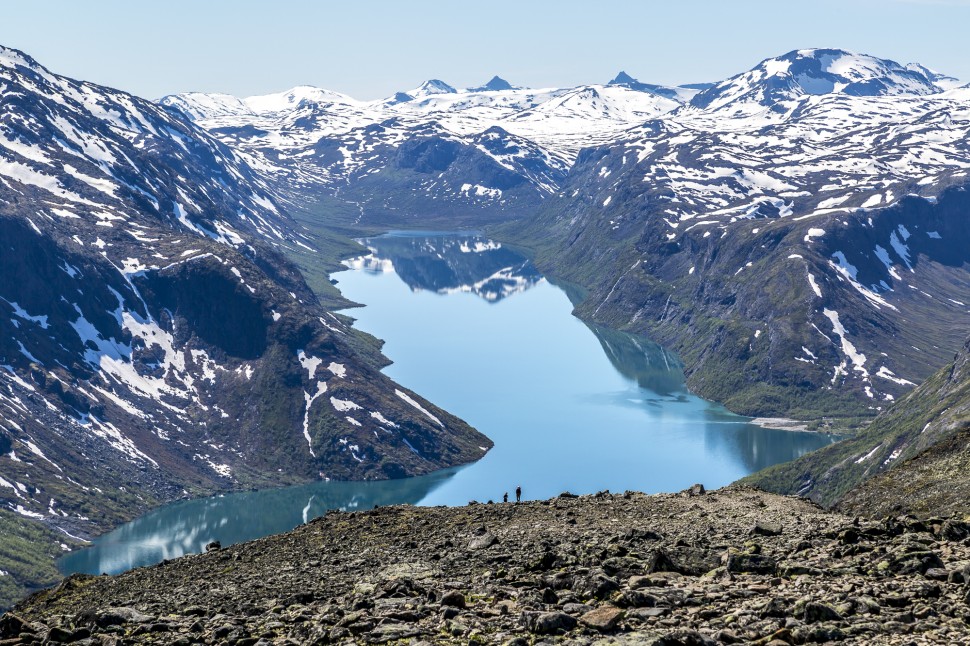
x: 797, y: 234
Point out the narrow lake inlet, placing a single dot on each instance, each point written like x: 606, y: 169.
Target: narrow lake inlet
x: 475, y: 328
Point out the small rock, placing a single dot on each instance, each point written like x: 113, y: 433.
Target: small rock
x: 636, y: 599
x: 727, y: 637
x: 896, y: 600
x: 575, y: 608
x: 638, y: 581
x: 119, y: 616
x: 816, y: 612
x: 954, y: 530
x: 214, y: 546
x: 849, y: 537
x: 11, y: 626
x: 483, y: 542
x: 454, y: 599
x: 780, y: 637
x: 547, y: 623
x: 450, y: 612
x: 604, y: 619
x: 937, y: 574
x: 753, y: 563
x: 60, y: 635
x: 765, y: 529
x: 695, y: 490
x: 774, y: 608
x: 549, y: 596
x: 684, y: 638
x: 597, y: 586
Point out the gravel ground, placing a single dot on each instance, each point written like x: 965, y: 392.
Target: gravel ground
x: 730, y: 566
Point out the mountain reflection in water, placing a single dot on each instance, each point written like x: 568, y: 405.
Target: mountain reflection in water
x: 445, y: 263
x: 186, y: 527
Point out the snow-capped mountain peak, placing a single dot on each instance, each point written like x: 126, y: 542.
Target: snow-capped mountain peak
x: 432, y: 87
x: 680, y: 94
x: 204, y: 105
x: 940, y: 80
x: 10, y: 57
x: 817, y: 72
x: 284, y: 101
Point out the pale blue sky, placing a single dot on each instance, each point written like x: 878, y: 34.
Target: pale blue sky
x: 372, y: 48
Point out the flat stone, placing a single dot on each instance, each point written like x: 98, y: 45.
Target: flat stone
x: 766, y: 529
x: 483, y: 542
x: 604, y: 619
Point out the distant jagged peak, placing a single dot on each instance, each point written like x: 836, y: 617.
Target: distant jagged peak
x: 623, y: 79
x: 496, y: 84
x: 817, y: 72
x: 680, y: 94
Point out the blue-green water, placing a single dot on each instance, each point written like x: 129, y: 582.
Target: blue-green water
x: 475, y: 329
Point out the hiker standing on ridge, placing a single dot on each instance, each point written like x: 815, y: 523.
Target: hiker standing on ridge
x: 518, y: 494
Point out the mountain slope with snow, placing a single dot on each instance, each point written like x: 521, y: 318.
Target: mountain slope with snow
x: 776, y: 81
x: 911, y: 460
x: 805, y: 252
x: 839, y: 176
x: 154, y: 342
x: 500, y: 150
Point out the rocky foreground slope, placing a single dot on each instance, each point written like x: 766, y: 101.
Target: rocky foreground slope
x: 732, y: 566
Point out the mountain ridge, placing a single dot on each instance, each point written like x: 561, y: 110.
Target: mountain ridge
x: 673, y: 569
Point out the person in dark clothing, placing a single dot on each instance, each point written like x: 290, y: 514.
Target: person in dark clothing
x: 505, y: 497
x: 518, y: 494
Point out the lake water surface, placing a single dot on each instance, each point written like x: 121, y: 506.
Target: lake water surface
x: 473, y: 327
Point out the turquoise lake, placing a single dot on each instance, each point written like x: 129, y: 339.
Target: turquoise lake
x: 473, y: 327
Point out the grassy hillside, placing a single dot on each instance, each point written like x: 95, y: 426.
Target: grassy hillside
x: 912, y: 458
x: 28, y: 549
